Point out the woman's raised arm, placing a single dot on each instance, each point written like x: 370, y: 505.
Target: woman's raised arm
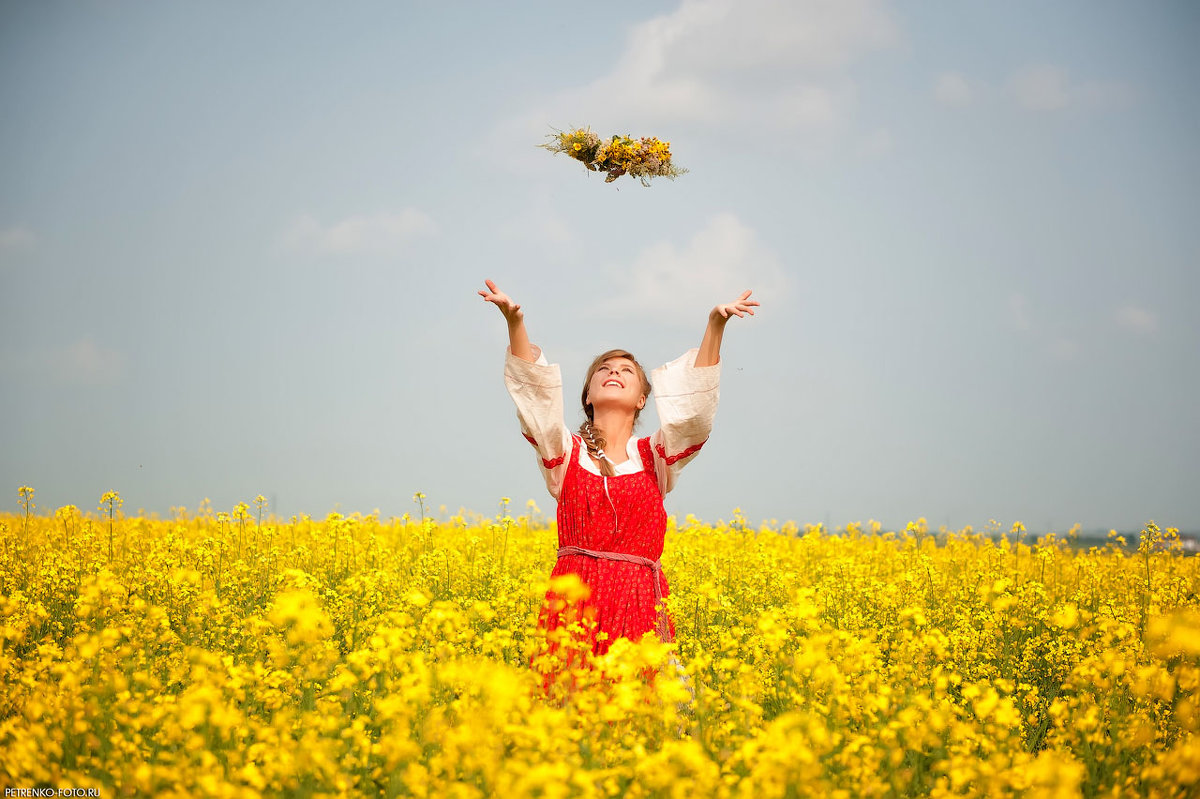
x: 710, y: 346
x: 518, y: 338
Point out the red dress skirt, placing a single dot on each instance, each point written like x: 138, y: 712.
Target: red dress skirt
x: 610, y: 534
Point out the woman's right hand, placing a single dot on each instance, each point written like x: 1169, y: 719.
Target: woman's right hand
x: 512, y: 312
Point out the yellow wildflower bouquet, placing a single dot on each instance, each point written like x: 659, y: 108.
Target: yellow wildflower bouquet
x: 644, y: 158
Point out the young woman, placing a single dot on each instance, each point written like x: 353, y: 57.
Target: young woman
x: 608, y: 484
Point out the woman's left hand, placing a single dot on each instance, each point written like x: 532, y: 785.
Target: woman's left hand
x: 740, y: 307
x: 710, y: 345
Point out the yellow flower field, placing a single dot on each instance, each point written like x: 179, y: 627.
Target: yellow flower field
x: 235, y: 654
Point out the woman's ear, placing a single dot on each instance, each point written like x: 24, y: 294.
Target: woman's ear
x: 642, y: 402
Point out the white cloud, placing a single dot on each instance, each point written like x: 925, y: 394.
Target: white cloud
x: 385, y: 233
x: 952, y: 88
x: 768, y: 63
x: 84, y: 362
x: 721, y: 260
x: 715, y: 37
x: 14, y: 239
x: 810, y: 106
x: 1046, y: 87
x: 1138, y: 320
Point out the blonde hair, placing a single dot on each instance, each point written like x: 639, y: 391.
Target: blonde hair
x: 593, y: 437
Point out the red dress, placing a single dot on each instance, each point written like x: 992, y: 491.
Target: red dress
x: 610, y: 534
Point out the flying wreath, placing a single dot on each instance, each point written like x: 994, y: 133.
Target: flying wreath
x: 643, y: 158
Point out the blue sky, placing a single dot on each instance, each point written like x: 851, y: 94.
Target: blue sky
x: 240, y: 244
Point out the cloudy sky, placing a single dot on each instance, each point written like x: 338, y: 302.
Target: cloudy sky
x: 240, y: 245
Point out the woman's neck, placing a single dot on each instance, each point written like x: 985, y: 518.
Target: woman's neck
x: 617, y: 426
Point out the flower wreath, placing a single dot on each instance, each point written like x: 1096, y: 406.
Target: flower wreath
x: 644, y: 158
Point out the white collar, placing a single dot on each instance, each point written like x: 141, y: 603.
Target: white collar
x: 632, y: 465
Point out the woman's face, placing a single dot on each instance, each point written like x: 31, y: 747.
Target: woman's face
x: 616, y: 383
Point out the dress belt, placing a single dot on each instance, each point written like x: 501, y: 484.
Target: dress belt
x: 664, y: 627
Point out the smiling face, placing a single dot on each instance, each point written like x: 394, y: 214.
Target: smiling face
x: 615, y: 378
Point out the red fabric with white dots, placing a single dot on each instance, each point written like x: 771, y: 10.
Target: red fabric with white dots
x: 621, y: 601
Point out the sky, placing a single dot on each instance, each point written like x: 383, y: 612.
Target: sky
x: 240, y: 245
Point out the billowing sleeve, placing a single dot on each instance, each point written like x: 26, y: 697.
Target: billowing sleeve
x: 536, y: 389
x: 686, y: 399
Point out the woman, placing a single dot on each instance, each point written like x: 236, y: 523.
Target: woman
x: 608, y: 484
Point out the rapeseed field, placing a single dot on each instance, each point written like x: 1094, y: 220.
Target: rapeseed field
x: 234, y: 654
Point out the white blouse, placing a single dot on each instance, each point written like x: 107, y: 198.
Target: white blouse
x: 685, y: 397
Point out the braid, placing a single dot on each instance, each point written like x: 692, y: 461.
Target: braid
x: 593, y: 437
